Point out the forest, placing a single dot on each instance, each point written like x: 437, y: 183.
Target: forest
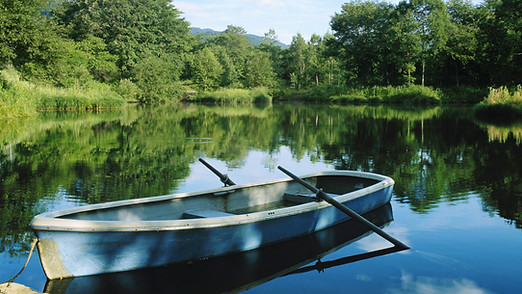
x: 94, y: 53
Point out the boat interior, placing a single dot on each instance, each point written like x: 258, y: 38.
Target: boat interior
x: 224, y: 202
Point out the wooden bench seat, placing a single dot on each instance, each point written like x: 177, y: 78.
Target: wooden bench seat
x: 299, y: 198
x: 205, y: 213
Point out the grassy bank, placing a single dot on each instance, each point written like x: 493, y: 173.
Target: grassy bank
x: 256, y: 95
x: 19, y: 98
x: 409, y: 95
x: 501, y: 106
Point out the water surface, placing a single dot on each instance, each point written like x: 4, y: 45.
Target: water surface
x: 457, y: 200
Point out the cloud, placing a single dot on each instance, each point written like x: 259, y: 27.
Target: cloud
x: 429, y: 285
x: 287, y: 18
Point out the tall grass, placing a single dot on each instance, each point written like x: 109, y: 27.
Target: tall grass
x: 21, y: 98
x: 14, y: 103
x: 94, y: 96
x: 255, y: 95
x: 409, y: 95
x: 502, y: 106
x: 503, y: 95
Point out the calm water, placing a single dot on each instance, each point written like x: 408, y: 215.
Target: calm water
x: 457, y: 200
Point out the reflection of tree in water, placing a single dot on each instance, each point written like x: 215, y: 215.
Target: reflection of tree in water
x: 499, y: 175
x: 434, y: 155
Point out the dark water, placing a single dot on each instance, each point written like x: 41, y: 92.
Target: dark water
x: 457, y: 200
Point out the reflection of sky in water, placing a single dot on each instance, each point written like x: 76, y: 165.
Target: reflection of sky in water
x: 257, y: 167
x: 456, y: 248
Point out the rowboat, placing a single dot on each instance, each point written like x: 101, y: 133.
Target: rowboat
x: 245, y: 270
x: 149, y: 232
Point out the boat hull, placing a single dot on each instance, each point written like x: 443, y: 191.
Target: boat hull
x: 70, y: 252
x: 250, y: 268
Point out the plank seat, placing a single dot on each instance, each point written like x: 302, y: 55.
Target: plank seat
x: 205, y: 213
x: 299, y: 198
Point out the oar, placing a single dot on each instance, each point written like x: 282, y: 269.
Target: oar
x: 224, y: 178
x: 323, y: 196
x: 320, y: 266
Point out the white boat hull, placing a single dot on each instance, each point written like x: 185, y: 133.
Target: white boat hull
x: 115, y: 237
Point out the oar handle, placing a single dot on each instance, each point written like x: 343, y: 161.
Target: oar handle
x: 224, y: 178
x: 323, y: 196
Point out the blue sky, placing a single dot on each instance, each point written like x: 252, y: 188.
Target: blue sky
x: 287, y: 18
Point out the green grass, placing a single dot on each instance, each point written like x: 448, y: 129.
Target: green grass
x: 407, y: 95
x: 94, y: 96
x: 502, y: 106
x: 256, y: 95
x: 21, y: 98
x: 14, y: 103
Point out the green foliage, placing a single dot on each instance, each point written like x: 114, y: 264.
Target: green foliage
x: 416, y: 95
x: 128, y: 90
x: 135, y: 33
x: 23, y: 99
x: 503, y: 95
x: 206, y: 69
x: 154, y: 77
x: 22, y: 31
x: 464, y: 95
x: 255, y: 95
x: 259, y: 72
x: 500, y: 39
x: 360, y: 30
x: 501, y: 106
x: 92, y: 96
x: 409, y: 95
x: 143, y: 51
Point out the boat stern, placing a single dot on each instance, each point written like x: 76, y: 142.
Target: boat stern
x: 51, y: 260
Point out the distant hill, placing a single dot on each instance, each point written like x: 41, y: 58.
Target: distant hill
x: 254, y: 40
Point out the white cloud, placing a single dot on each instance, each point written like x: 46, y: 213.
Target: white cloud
x: 429, y: 285
x: 287, y: 18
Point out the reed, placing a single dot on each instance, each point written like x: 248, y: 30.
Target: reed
x: 502, y: 106
x: 21, y: 98
x: 255, y: 95
x: 14, y: 103
x: 409, y: 95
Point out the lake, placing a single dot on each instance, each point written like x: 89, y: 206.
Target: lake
x: 457, y: 199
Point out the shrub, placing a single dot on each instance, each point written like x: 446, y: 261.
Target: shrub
x: 502, y: 106
x: 255, y: 95
x: 503, y: 95
x: 413, y: 95
x: 348, y: 99
x: 128, y: 90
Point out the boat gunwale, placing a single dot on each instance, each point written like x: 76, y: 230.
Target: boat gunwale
x: 53, y: 221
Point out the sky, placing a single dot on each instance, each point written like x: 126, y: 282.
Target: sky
x: 287, y: 18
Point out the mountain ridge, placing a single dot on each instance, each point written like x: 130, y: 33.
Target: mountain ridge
x: 253, y: 39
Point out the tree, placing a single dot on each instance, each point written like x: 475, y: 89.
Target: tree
x: 259, y: 70
x: 297, y: 62
x: 275, y: 52
x: 402, y: 46
x: 237, y: 47
x: 230, y: 76
x: 359, y: 30
x: 462, y: 42
x: 206, y: 69
x: 153, y: 75
x: 500, y: 36
x: 22, y: 31
x: 432, y: 25
x: 132, y: 30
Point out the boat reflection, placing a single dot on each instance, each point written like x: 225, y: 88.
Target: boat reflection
x: 237, y: 272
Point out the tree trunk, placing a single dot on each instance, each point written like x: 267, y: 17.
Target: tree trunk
x: 457, y: 74
x: 423, y: 71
